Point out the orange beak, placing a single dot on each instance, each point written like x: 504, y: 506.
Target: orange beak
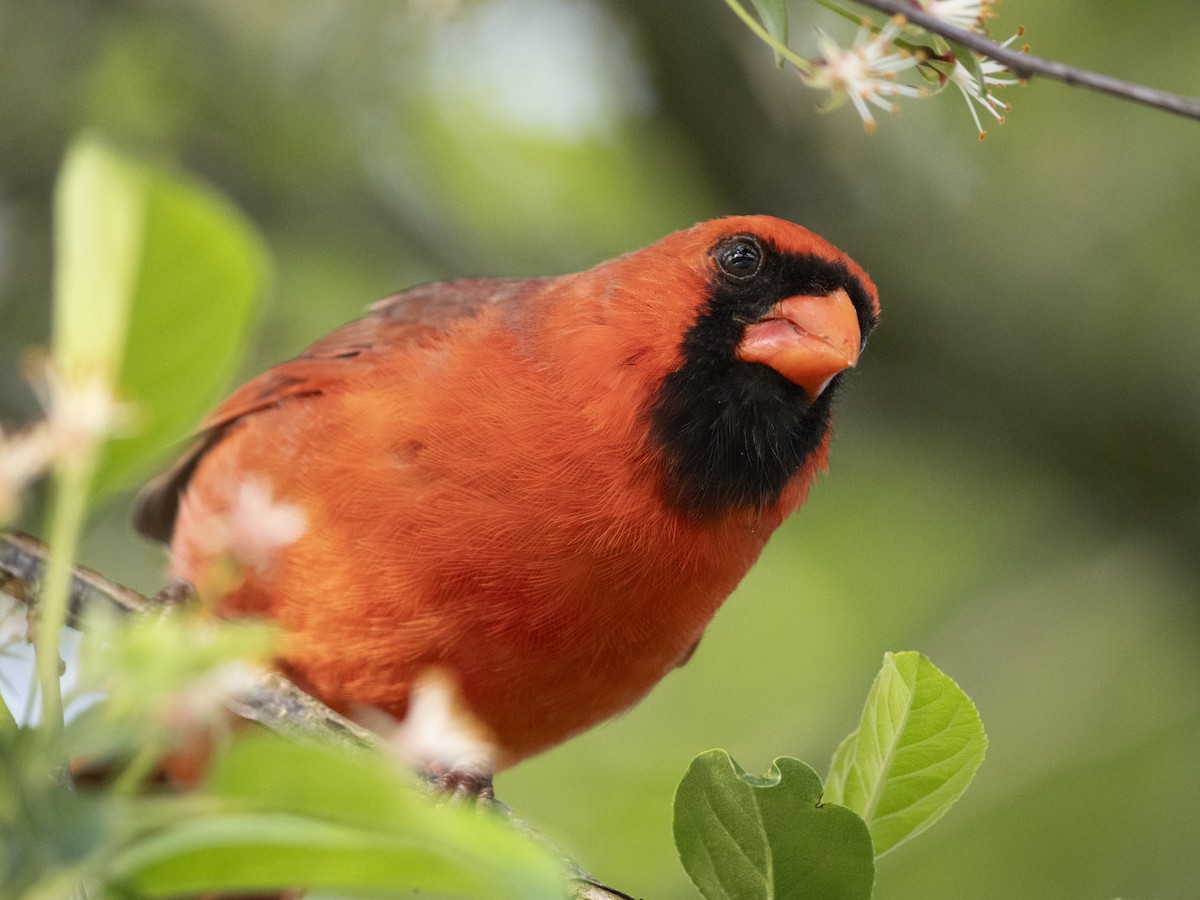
x: 806, y: 339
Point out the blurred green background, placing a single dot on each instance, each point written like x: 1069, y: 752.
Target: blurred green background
x: 1014, y: 483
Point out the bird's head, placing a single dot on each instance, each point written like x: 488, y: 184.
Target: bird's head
x: 737, y: 332
x: 776, y: 316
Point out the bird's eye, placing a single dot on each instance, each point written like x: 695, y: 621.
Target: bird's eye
x: 740, y: 259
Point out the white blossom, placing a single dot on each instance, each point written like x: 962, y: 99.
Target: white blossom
x: 81, y: 412
x: 981, y: 95
x: 865, y: 72
x: 966, y: 14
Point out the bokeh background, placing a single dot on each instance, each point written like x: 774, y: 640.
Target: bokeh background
x: 1014, y: 487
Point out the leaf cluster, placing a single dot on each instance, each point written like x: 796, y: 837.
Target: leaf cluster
x: 782, y: 834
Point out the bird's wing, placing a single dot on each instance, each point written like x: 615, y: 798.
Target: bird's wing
x: 395, y: 322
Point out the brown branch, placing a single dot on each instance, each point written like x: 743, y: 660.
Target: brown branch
x: 23, y: 563
x: 273, y: 701
x: 1027, y: 66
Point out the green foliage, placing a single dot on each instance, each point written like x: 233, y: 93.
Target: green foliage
x: 177, y: 668
x: 916, y: 750
x: 271, y: 815
x: 779, y: 835
x: 292, y: 814
x: 55, y: 835
x: 149, y: 269
x: 161, y: 276
x: 100, y: 227
x: 743, y: 836
x: 774, y: 16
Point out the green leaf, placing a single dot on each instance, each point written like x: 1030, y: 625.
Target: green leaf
x: 936, y: 71
x: 157, y: 281
x: 773, y: 14
x: 268, y: 851
x: 765, y: 836
x: 99, y: 226
x: 914, y: 38
x: 160, y: 656
x: 916, y: 749
x: 202, y: 272
x: 349, y: 788
x: 843, y: 759
x: 302, y: 815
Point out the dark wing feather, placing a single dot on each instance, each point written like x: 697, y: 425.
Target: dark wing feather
x: 392, y: 323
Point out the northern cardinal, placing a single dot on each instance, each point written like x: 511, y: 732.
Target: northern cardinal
x: 544, y: 487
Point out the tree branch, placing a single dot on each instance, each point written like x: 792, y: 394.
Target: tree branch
x: 272, y: 701
x: 1027, y: 66
x: 23, y: 564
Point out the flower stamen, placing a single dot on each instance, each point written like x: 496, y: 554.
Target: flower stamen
x: 865, y: 72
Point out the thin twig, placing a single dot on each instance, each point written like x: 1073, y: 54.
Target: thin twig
x: 23, y: 566
x: 1027, y: 66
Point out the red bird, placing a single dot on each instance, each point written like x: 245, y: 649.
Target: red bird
x: 543, y: 487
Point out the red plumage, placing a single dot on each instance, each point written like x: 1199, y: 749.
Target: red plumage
x: 490, y: 485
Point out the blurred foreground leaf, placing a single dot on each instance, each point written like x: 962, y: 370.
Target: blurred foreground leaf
x: 774, y: 18
x: 176, y: 666
x: 763, y: 836
x: 162, y: 270
x: 100, y: 226
x: 916, y: 749
x: 298, y: 815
